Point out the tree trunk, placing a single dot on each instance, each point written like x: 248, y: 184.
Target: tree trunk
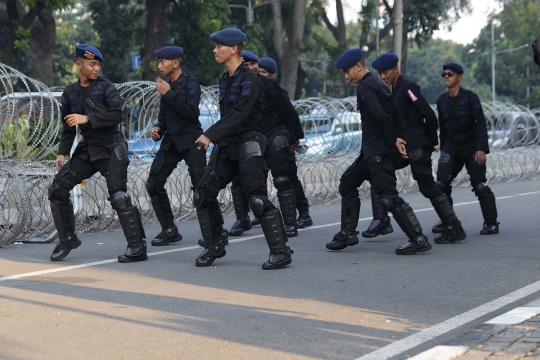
x: 294, y: 46
x: 42, y: 43
x: 404, y: 55
x: 155, y: 36
x: 300, y: 82
x: 397, y: 21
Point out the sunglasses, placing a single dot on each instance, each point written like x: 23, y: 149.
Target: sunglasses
x: 449, y: 74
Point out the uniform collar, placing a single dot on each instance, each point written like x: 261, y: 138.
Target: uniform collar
x: 179, y: 80
x: 398, y: 84
x: 92, y: 83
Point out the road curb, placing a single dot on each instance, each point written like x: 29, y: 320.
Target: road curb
x: 472, y: 339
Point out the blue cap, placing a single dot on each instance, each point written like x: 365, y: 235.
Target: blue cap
x: 249, y: 56
x: 169, y: 52
x: 385, y: 61
x: 348, y: 59
x: 455, y: 67
x: 229, y: 37
x: 87, y: 51
x: 268, y: 64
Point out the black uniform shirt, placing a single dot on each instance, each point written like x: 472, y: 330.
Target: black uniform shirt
x: 239, y: 104
x: 381, y: 122
x: 420, y: 120
x: 179, y: 113
x: 277, y: 109
x: 102, y: 103
x: 462, y: 122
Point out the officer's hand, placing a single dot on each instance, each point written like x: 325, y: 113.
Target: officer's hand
x: 400, y: 145
x: 155, y: 133
x: 59, y: 162
x: 436, y: 149
x: 203, y: 141
x: 480, y: 157
x: 292, y: 146
x: 75, y: 119
x: 162, y: 86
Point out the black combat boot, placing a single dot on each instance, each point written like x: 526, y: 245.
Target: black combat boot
x: 350, y: 214
x: 212, y: 231
x: 169, y: 233
x: 64, y: 221
x: 489, y: 211
x: 287, y: 203
x: 304, y: 220
x: 380, y: 225
x: 130, y: 219
x: 243, y: 222
x: 274, y: 232
x: 407, y: 221
x: 452, y: 231
x: 438, y: 227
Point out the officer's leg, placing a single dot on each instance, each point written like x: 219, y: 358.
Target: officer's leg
x: 380, y: 225
x: 241, y: 209
x: 266, y: 170
x: 164, y: 164
x: 250, y: 163
x: 423, y: 174
x: 71, y: 174
x: 449, y: 167
x: 383, y: 178
x: 278, y: 147
x: 351, y: 179
x: 115, y: 172
x: 302, y: 204
x: 220, y: 171
x: 486, y: 197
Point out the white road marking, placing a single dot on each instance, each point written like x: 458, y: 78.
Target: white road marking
x: 440, y: 353
x: 515, y: 316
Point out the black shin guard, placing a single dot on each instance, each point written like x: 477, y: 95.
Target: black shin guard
x: 380, y: 225
x: 131, y: 222
x: 287, y: 204
x: 241, y: 209
x: 211, y: 229
x: 169, y: 233
x: 489, y: 212
x: 350, y: 214
x: 274, y: 232
x: 452, y: 230
x: 64, y: 221
x: 408, y: 222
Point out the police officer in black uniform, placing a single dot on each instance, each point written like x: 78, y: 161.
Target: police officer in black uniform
x: 280, y: 125
x: 268, y: 67
x: 179, y: 126
x: 382, y: 133
x: 238, y: 150
x: 95, y: 105
x: 421, y: 126
x: 464, y: 142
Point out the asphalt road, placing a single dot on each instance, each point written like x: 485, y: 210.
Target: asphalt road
x: 326, y: 305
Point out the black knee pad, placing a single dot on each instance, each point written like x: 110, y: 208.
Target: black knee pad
x: 120, y: 200
x: 443, y: 186
x: 387, y: 203
x: 282, y: 183
x: 57, y: 192
x: 430, y: 191
x: 347, y: 189
x: 482, y: 190
x: 257, y: 205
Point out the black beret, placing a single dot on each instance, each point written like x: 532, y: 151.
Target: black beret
x: 249, y: 56
x: 169, y: 52
x: 87, y: 51
x: 229, y: 37
x: 455, y: 67
x: 268, y: 64
x: 385, y: 61
x: 348, y: 59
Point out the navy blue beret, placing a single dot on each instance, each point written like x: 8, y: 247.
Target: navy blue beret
x: 87, y: 51
x: 385, y: 61
x: 229, y: 37
x: 249, y: 56
x: 169, y: 52
x: 348, y: 59
x: 268, y: 64
x: 455, y: 67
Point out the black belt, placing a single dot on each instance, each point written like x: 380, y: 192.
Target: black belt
x: 104, y: 141
x: 246, y: 135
